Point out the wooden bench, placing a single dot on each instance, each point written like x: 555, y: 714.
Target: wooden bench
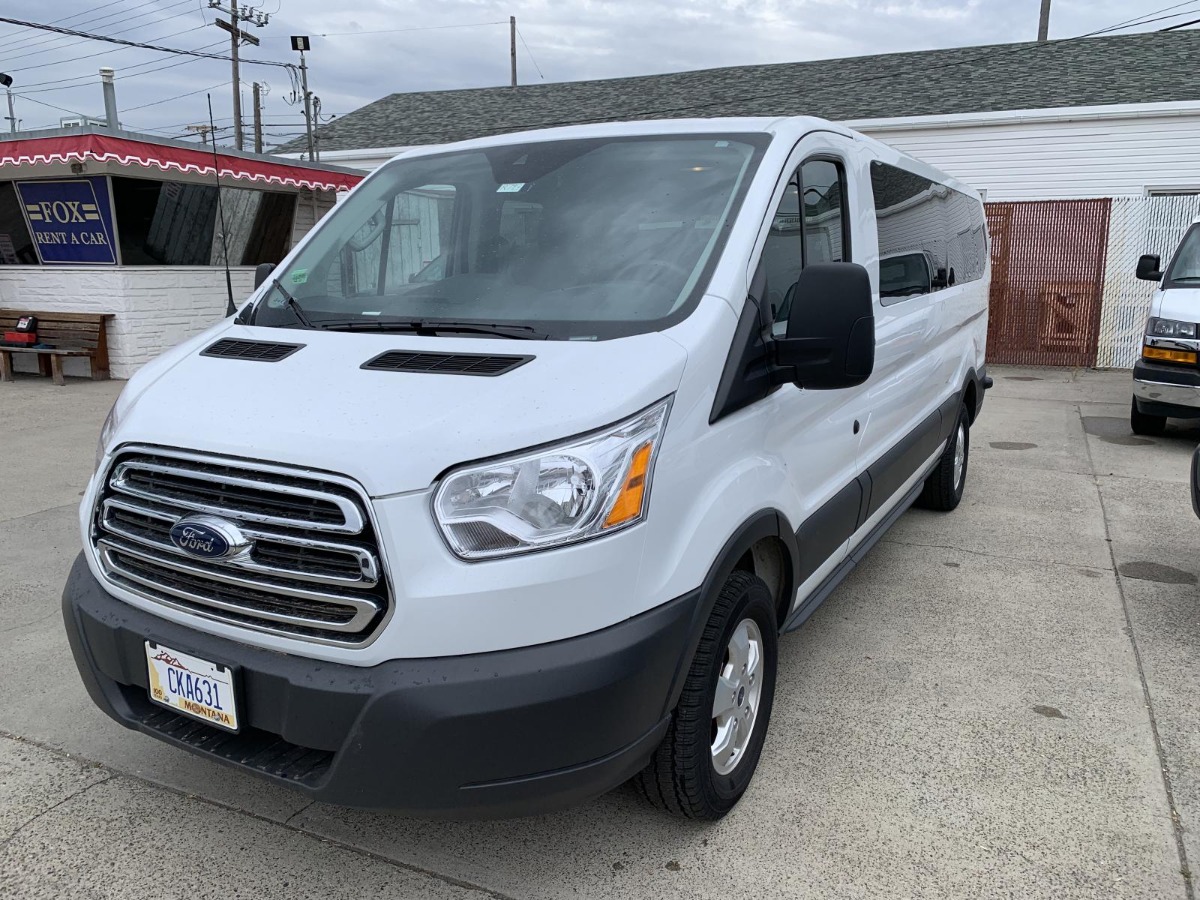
x: 68, y: 334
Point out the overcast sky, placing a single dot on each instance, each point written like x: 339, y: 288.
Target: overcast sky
x: 365, y: 49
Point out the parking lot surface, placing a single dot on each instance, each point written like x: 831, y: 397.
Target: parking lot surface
x: 1000, y: 702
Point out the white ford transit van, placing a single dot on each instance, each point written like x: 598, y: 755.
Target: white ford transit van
x: 496, y: 538
x: 1166, y: 380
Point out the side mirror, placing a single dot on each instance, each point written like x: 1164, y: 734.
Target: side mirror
x: 830, y: 339
x: 262, y: 272
x: 940, y: 279
x: 1148, y: 268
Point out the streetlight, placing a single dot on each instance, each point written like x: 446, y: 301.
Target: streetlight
x: 6, y: 80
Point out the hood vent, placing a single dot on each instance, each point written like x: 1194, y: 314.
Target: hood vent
x: 445, y: 363
x: 262, y: 351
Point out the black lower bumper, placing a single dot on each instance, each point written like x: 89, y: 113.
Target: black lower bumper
x: 1167, y: 390
x: 490, y: 735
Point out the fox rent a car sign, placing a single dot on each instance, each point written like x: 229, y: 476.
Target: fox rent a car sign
x: 70, y: 220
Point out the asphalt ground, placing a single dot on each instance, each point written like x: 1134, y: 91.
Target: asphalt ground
x: 1000, y: 702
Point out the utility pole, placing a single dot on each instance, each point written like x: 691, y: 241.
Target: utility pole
x: 203, y: 131
x: 257, y: 117
x: 512, y: 47
x: 301, y: 43
x: 1044, y: 23
x: 237, y: 37
x: 6, y: 80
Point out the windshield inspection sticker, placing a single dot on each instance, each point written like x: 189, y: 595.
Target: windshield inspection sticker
x: 300, y: 276
x: 510, y: 188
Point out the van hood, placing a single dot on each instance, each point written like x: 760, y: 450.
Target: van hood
x: 392, y: 431
x: 1181, y: 304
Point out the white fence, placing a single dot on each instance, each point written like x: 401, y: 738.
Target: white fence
x: 1138, y: 225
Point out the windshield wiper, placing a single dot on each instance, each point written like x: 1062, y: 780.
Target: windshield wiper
x: 293, y: 303
x: 433, y: 327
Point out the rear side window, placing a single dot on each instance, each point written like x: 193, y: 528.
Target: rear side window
x: 930, y: 235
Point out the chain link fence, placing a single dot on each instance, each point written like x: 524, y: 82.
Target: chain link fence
x: 1138, y: 225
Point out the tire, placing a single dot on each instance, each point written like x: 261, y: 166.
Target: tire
x: 944, y: 487
x: 685, y: 776
x: 1140, y: 423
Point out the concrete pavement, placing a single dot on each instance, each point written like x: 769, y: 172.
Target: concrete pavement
x: 1001, y: 702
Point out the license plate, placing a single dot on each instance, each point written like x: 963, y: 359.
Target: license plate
x: 192, y: 686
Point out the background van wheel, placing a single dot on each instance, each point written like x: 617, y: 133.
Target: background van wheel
x: 1141, y: 423
x: 716, y: 733
x: 944, y: 487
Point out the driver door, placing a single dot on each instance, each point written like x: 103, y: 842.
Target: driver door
x: 814, y: 432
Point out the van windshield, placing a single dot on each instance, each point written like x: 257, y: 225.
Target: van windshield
x: 1185, y: 267
x: 576, y: 239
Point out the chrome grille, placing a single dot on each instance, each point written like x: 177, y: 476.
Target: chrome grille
x: 312, y: 568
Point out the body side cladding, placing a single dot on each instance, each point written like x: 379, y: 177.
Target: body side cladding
x: 838, y: 575
x: 895, y: 467
x: 828, y: 528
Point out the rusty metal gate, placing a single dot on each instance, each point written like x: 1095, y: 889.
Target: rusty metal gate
x: 1047, y: 281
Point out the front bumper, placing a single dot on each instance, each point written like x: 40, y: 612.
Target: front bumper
x: 499, y: 734
x: 1167, y: 390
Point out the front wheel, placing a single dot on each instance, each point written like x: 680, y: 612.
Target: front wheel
x: 1140, y: 423
x: 712, y: 745
x: 944, y: 487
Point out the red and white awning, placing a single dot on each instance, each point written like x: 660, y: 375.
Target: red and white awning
x: 124, y: 151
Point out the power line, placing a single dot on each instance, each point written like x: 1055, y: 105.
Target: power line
x: 61, y: 47
x: 73, y: 112
x: 63, y: 62
x: 176, y: 97
x: 126, y: 43
x: 54, y: 42
x: 530, y: 52
x: 16, y: 39
x: 1137, y: 20
x: 39, y: 87
x: 1186, y: 12
x: 278, y: 37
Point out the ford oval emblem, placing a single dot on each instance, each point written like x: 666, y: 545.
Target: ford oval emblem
x: 208, y: 537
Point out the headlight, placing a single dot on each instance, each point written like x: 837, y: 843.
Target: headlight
x: 582, y: 488
x: 1169, y: 328
x: 106, y: 432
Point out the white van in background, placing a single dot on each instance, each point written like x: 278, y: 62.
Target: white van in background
x: 493, y: 539
x: 1166, y: 380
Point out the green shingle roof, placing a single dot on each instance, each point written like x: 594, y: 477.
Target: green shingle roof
x: 1150, y: 67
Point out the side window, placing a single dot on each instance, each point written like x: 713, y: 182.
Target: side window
x: 930, y: 235
x: 809, y: 226
x: 783, y: 255
x: 401, y: 243
x: 825, y: 225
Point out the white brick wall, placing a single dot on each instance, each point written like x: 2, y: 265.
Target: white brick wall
x: 155, y: 307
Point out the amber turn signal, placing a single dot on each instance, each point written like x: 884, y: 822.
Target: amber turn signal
x: 629, y: 502
x: 1162, y: 353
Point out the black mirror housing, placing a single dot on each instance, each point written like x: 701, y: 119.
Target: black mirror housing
x: 262, y: 272
x: 830, y: 341
x: 1148, y: 268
